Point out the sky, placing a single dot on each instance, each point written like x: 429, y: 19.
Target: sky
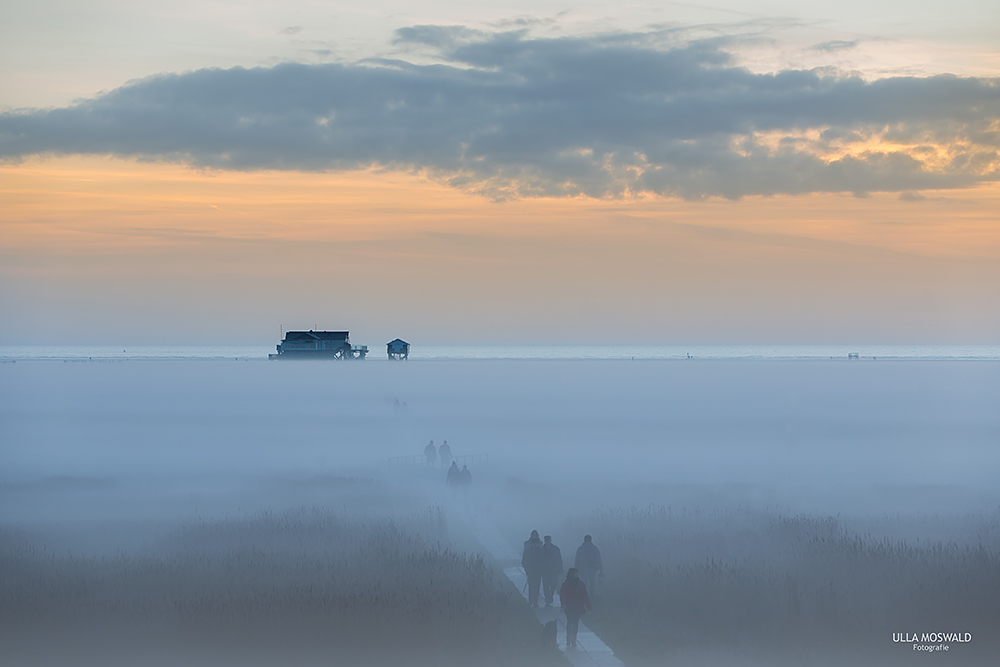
x: 445, y: 172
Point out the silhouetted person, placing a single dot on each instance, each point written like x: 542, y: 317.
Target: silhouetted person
x: 531, y: 561
x: 575, y: 603
x: 444, y: 453
x: 552, y: 569
x: 588, y: 562
x: 430, y: 453
x: 454, y: 476
x: 464, y: 482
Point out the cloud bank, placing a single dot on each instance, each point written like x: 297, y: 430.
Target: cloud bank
x: 511, y: 115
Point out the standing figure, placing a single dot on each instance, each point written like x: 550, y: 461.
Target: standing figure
x: 588, y: 562
x: 454, y: 480
x: 531, y: 561
x: 575, y: 603
x: 430, y: 453
x: 552, y: 569
x: 444, y: 453
x: 464, y: 482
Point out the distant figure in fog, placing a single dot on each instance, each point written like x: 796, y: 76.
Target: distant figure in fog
x: 464, y: 482
x: 531, y: 561
x: 575, y: 603
x: 552, y: 569
x: 588, y: 562
x: 454, y: 477
x: 444, y: 453
x: 430, y: 453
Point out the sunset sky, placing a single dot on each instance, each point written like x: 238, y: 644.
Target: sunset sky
x: 521, y: 173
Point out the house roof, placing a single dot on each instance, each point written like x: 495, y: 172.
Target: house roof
x: 316, y: 335
x: 398, y: 341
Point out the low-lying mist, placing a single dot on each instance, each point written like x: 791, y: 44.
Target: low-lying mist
x: 242, y: 512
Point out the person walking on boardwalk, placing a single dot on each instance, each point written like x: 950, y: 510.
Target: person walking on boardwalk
x: 575, y: 603
x: 464, y: 482
x: 588, y: 562
x: 552, y: 569
x: 454, y: 480
x: 444, y: 453
x: 430, y: 453
x: 531, y: 561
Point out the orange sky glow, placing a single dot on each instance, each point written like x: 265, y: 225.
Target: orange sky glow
x: 182, y: 249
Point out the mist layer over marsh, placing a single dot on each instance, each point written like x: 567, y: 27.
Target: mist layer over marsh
x: 754, y: 483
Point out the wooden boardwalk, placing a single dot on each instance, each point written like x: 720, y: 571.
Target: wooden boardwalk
x: 589, y: 651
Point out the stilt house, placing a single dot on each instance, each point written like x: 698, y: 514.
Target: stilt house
x: 398, y: 349
x: 319, y: 345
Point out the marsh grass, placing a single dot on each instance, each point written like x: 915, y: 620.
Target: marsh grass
x: 736, y: 580
x: 302, y: 587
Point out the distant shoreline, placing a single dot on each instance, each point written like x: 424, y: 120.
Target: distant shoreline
x: 525, y: 353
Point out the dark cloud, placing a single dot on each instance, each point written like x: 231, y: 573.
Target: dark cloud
x: 510, y: 115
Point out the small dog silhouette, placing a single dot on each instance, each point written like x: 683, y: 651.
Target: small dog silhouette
x: 549, y: 634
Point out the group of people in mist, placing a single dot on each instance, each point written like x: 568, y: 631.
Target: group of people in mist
x: 542, y: 561
x: 543, y: 565
x: 456, y: 479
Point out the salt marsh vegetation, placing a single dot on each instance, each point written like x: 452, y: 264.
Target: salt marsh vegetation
x: 300, y: 587
x: 790, y: 588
